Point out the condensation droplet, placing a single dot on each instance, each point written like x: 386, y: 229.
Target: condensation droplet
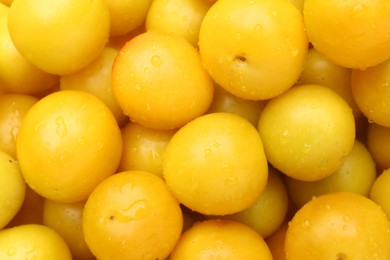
x: 11, y: 251
x: 306, y: 224
x: 156, y: 60
x: 137, y: 86
x: 358, y: 228
x: 102, y: 221
x: 258, y: 28
x: 99, y: 145
x: 227, y: 167
x: 307, y: 148
x: 61, y: 127
x: 286, y: 133
x: 346, y: 218
x: 138, y: 210
x: 207, y: 153
x: 358, y: 7
x: 231, y: 181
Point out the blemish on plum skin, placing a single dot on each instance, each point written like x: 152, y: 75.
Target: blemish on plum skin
x: 341, y: 256
x: 112, y: 218
x: 240, y: 58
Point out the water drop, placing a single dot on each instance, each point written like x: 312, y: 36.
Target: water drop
x: 61, y: 127
x: 99, y: 145
x: 307, y: 148
x: 306, y: 224
x: 156, y: 60
x: 231, y: 181
x: 138, y: 210
x: 258, y: 28
x: 358, y: 7
x: 227, y: 167
x: 137, y: 86
x: 286, y: 133
x: 102, y: 221
x: 11, y: 251
x: 126, y: 188
x: 244, y: 88
x: 346, y: 218
x: 207, y: 153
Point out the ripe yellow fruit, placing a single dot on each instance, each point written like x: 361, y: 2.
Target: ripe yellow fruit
x: 159, y: 81
x: 307, y: 132
x: 216, y: 164
x: 255, y: 49
x: 339, y: 225
x: 220, y: 239
x: 62, y: 36
x: 12, y: 188
x: 132, y: 215
x: 32, y: 241
x: 69, y: 141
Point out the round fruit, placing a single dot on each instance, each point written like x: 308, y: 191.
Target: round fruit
x: 371, y: 91
x: 307, y: 132
x: 216, y: 164
x: 378, y: 143
x: 17, y: 74
x: 132, y: 215
x: 269, y: 212
x: 380, y: 192
x: 96, y: 79
x: 339, y: 225
x: 159, y: 81
x: 13, y: 108
x: 65, y: 219
x: 356, y: 174
x: 321, y: 71
x: 182, y: 17
x: 126, y: 16
x: 62, y: 36
x: 224, y: 101
x: 32, y: 241
x: 12, y: 188
x: 255, y: 49
x: 353, y: 34
x: 69, y: 141
x: 143, y: 148
x: 220, y: 239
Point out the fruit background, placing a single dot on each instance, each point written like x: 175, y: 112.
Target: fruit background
x: 194, y: 129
